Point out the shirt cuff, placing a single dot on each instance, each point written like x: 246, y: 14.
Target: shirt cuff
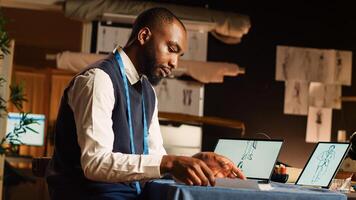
x: 152, y: 164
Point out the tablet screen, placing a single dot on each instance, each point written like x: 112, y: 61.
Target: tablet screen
x: 255, y: 158
x: 323, y: 164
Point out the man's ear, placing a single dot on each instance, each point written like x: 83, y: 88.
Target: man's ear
x: 144, y: 35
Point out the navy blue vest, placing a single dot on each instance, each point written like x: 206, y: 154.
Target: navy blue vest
x: 65, y: 172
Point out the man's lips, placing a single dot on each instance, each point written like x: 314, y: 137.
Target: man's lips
x: 166, y: 71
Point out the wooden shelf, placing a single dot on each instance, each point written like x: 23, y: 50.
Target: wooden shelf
x: 348, y: 99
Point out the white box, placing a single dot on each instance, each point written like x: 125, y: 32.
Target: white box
x: 182, y: 140
x: 109, y: 36
x: 197, y: 46
x: 177, y: 96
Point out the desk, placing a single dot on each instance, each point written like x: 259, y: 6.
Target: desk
x: 351, y: 196
x: 169, y: 190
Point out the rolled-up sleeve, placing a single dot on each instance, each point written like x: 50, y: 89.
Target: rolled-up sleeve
x: 92, y: 100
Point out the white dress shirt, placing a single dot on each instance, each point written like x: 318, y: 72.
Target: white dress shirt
x: 92, y: 100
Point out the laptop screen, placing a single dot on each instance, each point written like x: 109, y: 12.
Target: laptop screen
x: 323, y: 164
x: 256, y: 158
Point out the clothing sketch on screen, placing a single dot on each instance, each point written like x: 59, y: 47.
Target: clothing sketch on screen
x: 324, y: 161
x: 248, y: 153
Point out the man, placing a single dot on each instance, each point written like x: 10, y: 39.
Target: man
x: 107, y: 133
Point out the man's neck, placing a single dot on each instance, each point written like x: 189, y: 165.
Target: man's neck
x: 131, y: 52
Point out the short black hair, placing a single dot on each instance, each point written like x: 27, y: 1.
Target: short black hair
x: 153, y: 18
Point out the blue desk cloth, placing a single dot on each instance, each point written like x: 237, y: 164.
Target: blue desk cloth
x: 169, y: 190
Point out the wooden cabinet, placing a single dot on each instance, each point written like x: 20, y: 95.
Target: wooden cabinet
x: 43, y: 90
x: 59, y: 81
x: 36, y: 93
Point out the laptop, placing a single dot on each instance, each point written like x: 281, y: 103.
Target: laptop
x: 323, y: 164
x: 255, y: 157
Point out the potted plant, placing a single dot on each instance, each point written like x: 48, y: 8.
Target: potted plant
x: 10, y: 142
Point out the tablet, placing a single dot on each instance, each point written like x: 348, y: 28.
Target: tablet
x: 255, y: 157
x: 323, y: 164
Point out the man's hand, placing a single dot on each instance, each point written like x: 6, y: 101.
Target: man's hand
x: 221, y: 166
x: 188, y: 170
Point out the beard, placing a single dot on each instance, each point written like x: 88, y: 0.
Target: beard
x: 150, y: 66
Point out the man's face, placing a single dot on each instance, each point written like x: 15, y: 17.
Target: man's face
x: 162, y: 50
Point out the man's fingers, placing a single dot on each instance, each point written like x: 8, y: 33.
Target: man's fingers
x: 194, y: 177
x: 188, y: 182
x: 222, y: 175
x: 202, y: 176
x: 230, y: 169
x: 237, y: 172
x: 208, y: 173
x: 223, y: 161
x: 185, y: 180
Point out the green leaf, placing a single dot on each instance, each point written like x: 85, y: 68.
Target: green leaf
x: 32, y: 130
x: 17, y: 96
x: 4, y: 38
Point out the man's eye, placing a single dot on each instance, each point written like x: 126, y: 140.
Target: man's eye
x: 171, y: 49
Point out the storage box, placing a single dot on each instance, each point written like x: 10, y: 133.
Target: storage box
x: 182, y: 140
x: 178, y: 96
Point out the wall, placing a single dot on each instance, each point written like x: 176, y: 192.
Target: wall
x: 38, y: 33
x: 256, y: 98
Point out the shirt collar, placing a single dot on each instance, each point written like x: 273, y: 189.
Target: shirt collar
x: 131, y: 72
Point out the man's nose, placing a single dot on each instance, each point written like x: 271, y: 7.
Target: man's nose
x: 173, y: 63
